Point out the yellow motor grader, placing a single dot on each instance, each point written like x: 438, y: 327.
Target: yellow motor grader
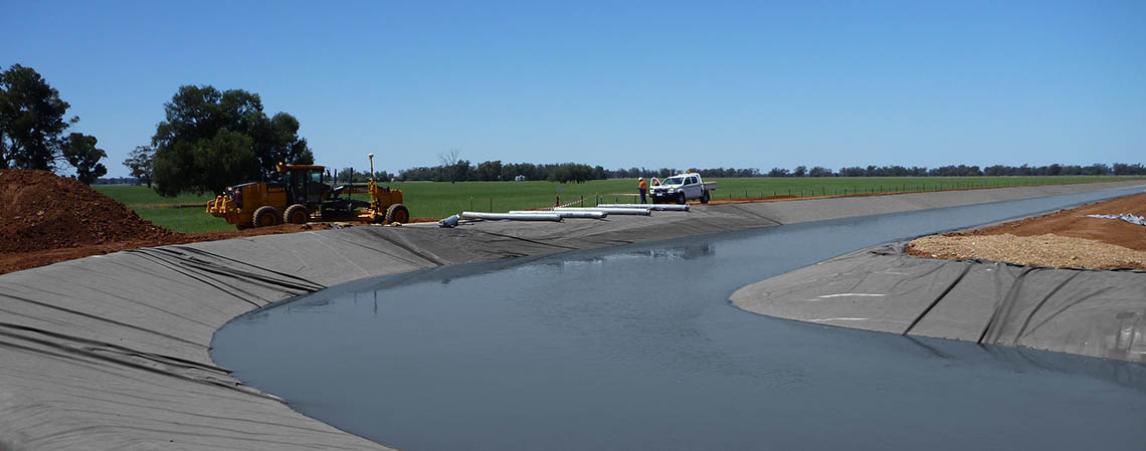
x: 301, y: 194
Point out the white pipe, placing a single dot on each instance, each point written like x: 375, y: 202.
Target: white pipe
x: 612, y: 211
x: 512, y: 216
x: 655, y: 207
x: 567, y: 214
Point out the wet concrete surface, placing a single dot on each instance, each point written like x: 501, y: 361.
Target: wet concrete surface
x: 637, y: 347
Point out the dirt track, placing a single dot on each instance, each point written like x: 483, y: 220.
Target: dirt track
x: 1066, y: 238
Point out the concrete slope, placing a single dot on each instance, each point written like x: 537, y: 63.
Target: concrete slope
x: 111, y: 352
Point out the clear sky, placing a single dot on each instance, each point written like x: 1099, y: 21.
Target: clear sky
x: 704, y: 83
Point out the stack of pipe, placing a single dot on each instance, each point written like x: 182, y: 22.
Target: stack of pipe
x: 609, y: 210
x: 569, y: 214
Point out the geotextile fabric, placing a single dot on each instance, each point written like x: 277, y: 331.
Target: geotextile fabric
x: 111, y: 351
x: 1076, y: 311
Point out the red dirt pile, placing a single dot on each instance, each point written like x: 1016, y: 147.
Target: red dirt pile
x: 44, y: 211
x: 46, y: 219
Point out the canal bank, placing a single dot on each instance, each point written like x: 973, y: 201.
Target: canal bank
x: 1073, y: 281
x: 112, y: 351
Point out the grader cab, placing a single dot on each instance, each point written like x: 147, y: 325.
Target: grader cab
x: 300, y: 194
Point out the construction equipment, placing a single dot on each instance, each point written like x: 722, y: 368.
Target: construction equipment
x: 301, y: 194
x: 385, y: 203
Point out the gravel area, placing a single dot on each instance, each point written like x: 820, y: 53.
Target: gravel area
x: 1063, y: 239
x: 1047, y: 250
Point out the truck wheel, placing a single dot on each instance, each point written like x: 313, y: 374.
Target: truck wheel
x: 680, y: 199
x: 265, y: 216
x: 704, y: 199
x: 296, y: 214
x: 397, y: 213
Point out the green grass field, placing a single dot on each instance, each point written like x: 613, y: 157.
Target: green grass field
x: 438, y: 200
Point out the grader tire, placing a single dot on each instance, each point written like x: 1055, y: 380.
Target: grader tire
x: 296, y: 214
x: 397, y: 213
x: 265, y: 216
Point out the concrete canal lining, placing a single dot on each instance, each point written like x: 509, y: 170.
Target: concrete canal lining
x: 111, y: 352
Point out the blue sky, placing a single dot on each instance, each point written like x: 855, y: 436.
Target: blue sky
x: 745, y: 84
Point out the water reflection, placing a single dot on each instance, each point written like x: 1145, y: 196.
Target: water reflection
x: 1019, y: 359
x: 677, y: 252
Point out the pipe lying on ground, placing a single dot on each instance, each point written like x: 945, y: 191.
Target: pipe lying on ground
x: 511, y: 216
x: 612, y: 211
x: 654, y: 207
x: 568, y: 214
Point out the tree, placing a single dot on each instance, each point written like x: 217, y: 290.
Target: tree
x: 820, y: 171
x: 488, y: 171
x: 229, y: 155
x: 349, y: 175
x: 139, y: 162
x: 198, y: 118
x: 452, y: 166
x: 778, y: 172
x: 80, y: 151
x: 31, y: 120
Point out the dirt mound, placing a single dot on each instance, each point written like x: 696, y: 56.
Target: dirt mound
x: 45, y: 211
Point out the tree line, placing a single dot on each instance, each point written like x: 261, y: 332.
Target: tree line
x: 209, y: 139
x: 458, y: 170
x: 488, y: 171
x: 959, y: 171
x: 34, y: 126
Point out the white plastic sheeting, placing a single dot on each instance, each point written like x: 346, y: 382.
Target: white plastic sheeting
x: 1133, y: 219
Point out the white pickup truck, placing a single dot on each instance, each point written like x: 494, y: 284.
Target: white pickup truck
x: 681, y: 188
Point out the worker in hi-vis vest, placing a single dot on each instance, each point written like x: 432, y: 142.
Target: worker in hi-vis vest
x: 643, y: 186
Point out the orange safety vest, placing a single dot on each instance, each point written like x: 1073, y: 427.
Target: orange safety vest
x: 643, y: 185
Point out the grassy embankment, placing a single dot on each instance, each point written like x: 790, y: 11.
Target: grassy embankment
x: 436, y: 200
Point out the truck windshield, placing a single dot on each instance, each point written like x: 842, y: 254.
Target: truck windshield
x: 673, y: 181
